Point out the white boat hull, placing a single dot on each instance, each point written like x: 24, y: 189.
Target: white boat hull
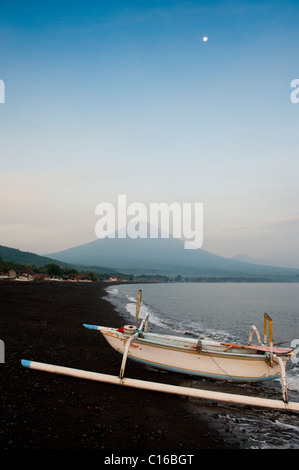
x: 182, y: 355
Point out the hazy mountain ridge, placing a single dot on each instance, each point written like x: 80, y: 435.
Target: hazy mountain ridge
x: 28, y: 258
x: 248, y: 259
x: 150, y: 256
x: 165, y: 256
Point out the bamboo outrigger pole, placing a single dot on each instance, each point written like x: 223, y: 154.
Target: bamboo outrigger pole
x: 160, y: 387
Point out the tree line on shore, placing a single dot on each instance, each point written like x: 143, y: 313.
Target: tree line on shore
x: 69, y: 272
x: 54, y: 270
x: 51, y: 269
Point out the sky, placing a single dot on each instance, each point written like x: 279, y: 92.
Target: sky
x: 109, y: 98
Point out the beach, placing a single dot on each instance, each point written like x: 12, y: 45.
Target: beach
x: 43, y: 322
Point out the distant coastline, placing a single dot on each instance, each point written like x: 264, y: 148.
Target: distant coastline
x: 16, y: 265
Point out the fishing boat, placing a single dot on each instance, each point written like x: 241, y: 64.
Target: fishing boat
x: 202, y: 358
x: 251, y: 362
x: 218, y: 360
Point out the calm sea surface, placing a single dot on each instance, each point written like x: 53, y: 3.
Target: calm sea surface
x: 225, y: 311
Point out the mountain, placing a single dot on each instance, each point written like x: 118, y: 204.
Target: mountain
x: 248, y: 259
x: 28, y: 258
x: 165, y: 256
x: 23, y: 257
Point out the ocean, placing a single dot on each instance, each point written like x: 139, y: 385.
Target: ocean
x: 226, y: 311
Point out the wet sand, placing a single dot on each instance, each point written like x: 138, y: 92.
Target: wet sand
x: 43, y: 322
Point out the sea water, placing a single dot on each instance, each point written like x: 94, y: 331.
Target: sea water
x: 225, y: 312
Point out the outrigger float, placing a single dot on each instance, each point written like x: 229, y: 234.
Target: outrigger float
x: 237, y: 362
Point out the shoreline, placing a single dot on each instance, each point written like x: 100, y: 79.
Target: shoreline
x: 43, y: 322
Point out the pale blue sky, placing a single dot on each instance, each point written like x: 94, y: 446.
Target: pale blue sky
x: 123, y: 97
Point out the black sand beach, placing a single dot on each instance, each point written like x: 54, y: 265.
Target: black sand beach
x: 43, y: 322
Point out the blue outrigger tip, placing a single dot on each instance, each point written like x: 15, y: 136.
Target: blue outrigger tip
x: 26, y: 363
x: 91, y: 327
